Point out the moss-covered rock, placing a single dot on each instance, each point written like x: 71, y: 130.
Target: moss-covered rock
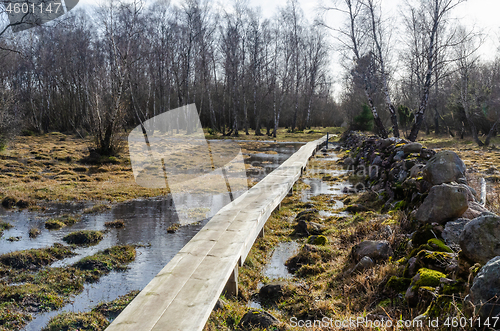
x: 440, y: 307
x: 440, y: 261
x: 427, y: 277
x: 438, y: 245
x: 423, y: 235
x: 317, y: 240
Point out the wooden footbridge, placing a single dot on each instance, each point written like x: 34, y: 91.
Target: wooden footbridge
x: 183, y: 294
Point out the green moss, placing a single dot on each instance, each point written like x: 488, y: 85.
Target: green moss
x: 109, y: 259
x: 11, y: 317
x: 455, y: 287
x: 440, y: 307
x: 310, y: 270
x: 115, y: 224
x: 173, y: 228
x: 5, y: 225
x: 439, y: 260
x: 428, y: 277
x: 317, y: 240
x: 84, y: 237
x: 98, y: 208
x: 115, y: 307
x: 54, y: 224
x: 398, y: 284
x: 35, y: 258
x: 400, y: 205
x: 51, y: 288
x: 438, y: 245
x: 68, y: 219
x: 77, y: 321
x: 34, y: 232
x: 41, y: 296
x: 422, y: 235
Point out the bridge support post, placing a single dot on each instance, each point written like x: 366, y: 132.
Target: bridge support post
x: 231, y: 288
x: 261, y: 233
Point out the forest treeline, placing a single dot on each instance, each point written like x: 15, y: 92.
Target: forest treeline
x: 108, y: 68
x: 120, y: 63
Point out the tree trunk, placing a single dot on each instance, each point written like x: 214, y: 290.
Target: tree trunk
x: 419, y: 116
x: 492, y: 132
x: 376, y: 118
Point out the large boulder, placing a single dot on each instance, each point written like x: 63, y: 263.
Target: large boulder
x: 480, y: 239
x: 374, y: 249
x: 444, y: 167
x: 443, y: 203
x: 485, y: 290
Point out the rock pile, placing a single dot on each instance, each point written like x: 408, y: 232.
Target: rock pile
x: 453, y: 235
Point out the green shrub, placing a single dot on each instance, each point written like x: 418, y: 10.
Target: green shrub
x: 363, y: 121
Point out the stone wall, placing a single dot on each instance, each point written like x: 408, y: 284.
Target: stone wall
x: 453, y: 246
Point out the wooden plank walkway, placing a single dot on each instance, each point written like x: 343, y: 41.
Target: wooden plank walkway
x: 183, y: 294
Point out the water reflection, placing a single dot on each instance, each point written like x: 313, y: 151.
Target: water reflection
x: 146, y: 221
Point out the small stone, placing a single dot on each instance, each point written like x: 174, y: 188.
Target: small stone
x: 348, y: 162
x: 258, y: 319
x: 375, y: 249
x: 272, y: 290
x: 440, y: 261
x: 427, y: 153
x: 315, y: 228
x: 416, y: 169
x: 355, y: 208
x: 424, y: 278
x: 364, y: 264
x: 301, y: 228
x: 400, y: 155
x: 377, y: 161
x: 475, y: 210
x: 412, y: 148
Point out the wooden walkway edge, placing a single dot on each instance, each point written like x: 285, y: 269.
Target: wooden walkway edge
x: 182, y: 295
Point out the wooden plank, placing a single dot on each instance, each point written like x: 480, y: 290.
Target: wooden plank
x: 182, y: 295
